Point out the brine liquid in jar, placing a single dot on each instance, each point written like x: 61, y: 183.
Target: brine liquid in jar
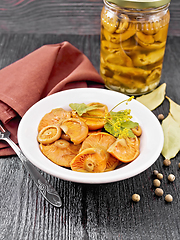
x: 132, y: 47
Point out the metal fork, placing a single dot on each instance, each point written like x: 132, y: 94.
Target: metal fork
x: 44, y: 187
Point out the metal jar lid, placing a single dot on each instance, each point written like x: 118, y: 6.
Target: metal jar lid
x: 139, y: 4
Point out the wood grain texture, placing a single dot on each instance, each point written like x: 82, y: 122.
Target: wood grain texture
x: 62, y: 17
x: 89, y: 212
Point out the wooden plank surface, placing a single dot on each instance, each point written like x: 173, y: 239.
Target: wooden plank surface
x: 89, y: 212
x: 62, y: 17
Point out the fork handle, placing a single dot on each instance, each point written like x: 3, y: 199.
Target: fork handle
x: 49, y: 193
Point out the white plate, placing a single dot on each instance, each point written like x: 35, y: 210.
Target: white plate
x: 151, y: 145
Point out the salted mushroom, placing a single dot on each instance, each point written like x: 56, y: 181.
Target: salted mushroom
x: 55, y: 117
x: 61, y: 152
x: 94, y: 119
x: 49, y: 134
x: 125, y: 149
x: 103, y: 141
x: 76, y: 129
x: 90, y: 160
x: 98, y: 140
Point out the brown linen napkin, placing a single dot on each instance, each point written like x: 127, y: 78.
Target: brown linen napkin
x: 49, y: 69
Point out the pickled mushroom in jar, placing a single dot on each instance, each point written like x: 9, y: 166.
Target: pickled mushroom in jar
x: 132, y: 49
x: 130, y: 83
x: 150, y: 28
x: 128, y: 71
x: 119, y: 57
x: 119, y: 37
x: 152, y: 46
x: 109, y: 20
x: 123, y: 24
x: 156, y: 73
x: 145, y: 38
x: 147, y: 58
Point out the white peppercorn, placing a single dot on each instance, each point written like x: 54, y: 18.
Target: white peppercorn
x: 155, y: 172
x: 135, y: 197
x: 171, y: 177
x: 156, y: 183
x: 160, y: 117
x: 168, y: 198
x: 167, y: 162
x: 159, y: 192
x: 160, y: 176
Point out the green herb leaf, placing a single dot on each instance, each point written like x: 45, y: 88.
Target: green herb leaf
x: 82, y: 108
x: 130, y: 124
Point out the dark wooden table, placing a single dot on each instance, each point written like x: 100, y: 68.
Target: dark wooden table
x: 99, y: 212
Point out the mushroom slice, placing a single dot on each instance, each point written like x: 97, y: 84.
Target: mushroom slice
x: 126, y: 150
x: 98, y: 140
x: 76, y: 129
x: 90, y: 160
x: 49, y: 134
x: 61, y: 152
x: 55, y: 117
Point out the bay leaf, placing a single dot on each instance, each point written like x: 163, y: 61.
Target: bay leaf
x: 171, y: 130
x: 154, y: 99
x: 174, y: 110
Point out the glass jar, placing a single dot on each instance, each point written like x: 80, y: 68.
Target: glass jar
x: 133, y: 40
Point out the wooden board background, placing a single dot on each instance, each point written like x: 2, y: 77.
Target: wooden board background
x: 62, y: 17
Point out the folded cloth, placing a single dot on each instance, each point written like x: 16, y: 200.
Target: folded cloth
x: 47, y: 70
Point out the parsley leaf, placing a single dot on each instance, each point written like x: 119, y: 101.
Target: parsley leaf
x: 82, y: 108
